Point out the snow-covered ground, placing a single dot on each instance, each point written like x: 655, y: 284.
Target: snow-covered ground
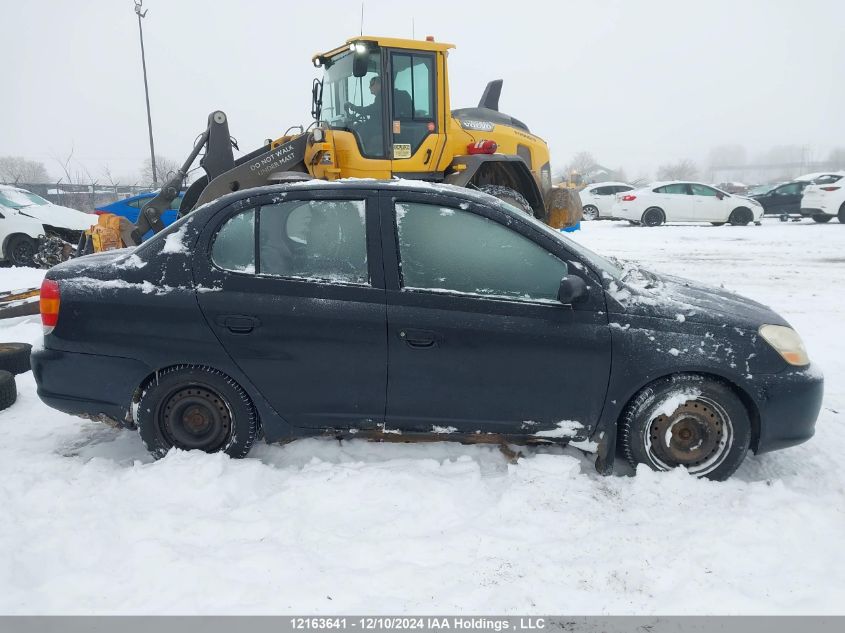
x: 90, y: 524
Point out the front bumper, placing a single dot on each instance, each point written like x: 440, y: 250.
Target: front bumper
x: 88, y: 385
x: 789, y: 404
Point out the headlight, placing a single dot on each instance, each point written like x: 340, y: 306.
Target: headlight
x: 786, y: 342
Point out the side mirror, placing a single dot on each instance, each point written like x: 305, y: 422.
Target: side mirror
x: 571, y: 289
x: 360, y: 62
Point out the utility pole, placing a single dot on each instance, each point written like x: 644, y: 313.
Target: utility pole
x: 141, y: 14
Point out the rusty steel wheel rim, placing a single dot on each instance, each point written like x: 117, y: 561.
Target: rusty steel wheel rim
x: 697, y: 435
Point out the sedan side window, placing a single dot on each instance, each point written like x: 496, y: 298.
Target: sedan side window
x: 314, y: 239
x: 701, y: 190
x: 234, y: 244
x: 678, y: 188
x: 452, y: 250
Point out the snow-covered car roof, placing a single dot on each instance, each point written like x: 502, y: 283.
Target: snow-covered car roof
x: 608, y: 183
x: 819, y: 174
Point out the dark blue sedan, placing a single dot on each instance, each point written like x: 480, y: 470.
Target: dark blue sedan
x: 130, y: 208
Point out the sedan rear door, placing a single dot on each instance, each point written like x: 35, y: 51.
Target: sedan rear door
x: 292, y: 286
x: 675, y: 201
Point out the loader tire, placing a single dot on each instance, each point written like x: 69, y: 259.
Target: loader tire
x: 14, y: 357
x: 511, y: 196
x: 8, y: 390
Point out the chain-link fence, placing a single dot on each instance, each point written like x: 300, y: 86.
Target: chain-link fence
x: 82, y: 197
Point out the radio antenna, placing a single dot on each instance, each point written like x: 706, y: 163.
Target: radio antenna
x: 362, y: 18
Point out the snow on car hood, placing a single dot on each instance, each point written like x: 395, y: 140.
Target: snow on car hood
x: 647, y: 293
x: 62, y: 217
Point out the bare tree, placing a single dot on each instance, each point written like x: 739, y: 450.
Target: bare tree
x: 582, y: 163
x: 165, y: 169
x: 684, y: 169
x: 16, y: 169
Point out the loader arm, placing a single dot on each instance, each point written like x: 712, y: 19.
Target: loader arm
x: 217, y: 143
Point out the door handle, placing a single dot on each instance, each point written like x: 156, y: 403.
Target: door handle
x: 238, y: 323
x: 427, y: 156
x: 419, y: 339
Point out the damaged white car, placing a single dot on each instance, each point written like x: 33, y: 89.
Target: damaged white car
x: 34, y: 230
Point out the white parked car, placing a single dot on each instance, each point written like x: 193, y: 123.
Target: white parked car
x: 25, y: 218
x: 824, y: 200
x: 597, y: 199
x: 679, y: 201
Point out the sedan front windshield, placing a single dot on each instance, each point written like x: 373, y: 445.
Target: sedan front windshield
x: 17, y: 199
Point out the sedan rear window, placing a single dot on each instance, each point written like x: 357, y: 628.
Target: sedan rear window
x: 323, y: 240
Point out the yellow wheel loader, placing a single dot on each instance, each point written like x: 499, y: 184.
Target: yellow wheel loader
x: 382, y: 110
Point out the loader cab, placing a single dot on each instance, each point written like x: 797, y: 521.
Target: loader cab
x: 387, y: 95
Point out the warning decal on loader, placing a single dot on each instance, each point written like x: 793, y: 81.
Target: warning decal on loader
x: 401, y: 150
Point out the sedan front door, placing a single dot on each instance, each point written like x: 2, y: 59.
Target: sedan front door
x: 296, y: 298
x: 477, y: 341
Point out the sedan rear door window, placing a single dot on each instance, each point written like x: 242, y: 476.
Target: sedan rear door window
x: 454, y: 250
x: 321, y: 240
x: 234, y: 244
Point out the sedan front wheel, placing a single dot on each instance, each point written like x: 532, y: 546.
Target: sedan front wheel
x: 687, y: 420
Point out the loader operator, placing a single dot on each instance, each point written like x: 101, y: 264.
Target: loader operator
x: 370, y: 129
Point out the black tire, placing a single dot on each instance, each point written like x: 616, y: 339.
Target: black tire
x: 222, y: 417
x: 718, y: 223
x: 590, y: 212
x: 653, y: 216
x: 709, y: 427
x: 14, y: 357
x: 511, y: 196
x: 822, y: 219
x: 8, y: 390
x: 841, y: 214
x: 20, y: 250
x: 741, y: 216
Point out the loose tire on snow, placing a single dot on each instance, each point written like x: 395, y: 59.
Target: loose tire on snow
x: 741, y: 216
x: 196, y: 408
x: 511, y: 196
x: 8, y: 390
x: 687, y: 420
x: 14, y: 357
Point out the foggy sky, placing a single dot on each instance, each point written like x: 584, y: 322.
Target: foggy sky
x: 638, y: 84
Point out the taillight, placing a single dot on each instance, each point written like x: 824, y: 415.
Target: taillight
x: 482, y: 147
x: 49, y: 304
x: 829, y: 188
x: 628, y: 198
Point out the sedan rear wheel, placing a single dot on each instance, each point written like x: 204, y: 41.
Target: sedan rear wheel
x: 590, y: 213
x: 195, y: 408
x: 822, y: 219
x: 653, y: 216
x: 741, y: 216
x: 688, y: 421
